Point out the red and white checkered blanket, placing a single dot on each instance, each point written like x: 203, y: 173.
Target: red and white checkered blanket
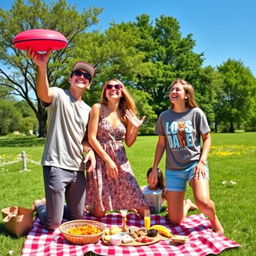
x: 202, y: 241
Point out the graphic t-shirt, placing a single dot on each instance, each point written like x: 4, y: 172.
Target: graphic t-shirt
x: 182, y: 132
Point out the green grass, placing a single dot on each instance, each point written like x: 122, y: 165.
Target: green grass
x: 232, y: 158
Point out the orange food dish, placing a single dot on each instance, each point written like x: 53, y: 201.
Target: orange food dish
x: 84, y: 230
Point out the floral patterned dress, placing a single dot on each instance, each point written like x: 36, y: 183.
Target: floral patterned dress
x: 104, y: 192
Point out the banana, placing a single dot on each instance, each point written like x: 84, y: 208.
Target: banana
x: 162, y: 230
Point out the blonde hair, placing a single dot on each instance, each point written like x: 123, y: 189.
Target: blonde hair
x: 126, y: 101
x: 189, y: 90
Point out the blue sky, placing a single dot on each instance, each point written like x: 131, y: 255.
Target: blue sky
x: 222, y: 29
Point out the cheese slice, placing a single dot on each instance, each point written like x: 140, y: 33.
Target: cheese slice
x: 179, y: 239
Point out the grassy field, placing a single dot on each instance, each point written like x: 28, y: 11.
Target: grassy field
x: 232, y: 172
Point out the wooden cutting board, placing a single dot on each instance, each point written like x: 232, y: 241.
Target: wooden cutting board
x: 135, y: 243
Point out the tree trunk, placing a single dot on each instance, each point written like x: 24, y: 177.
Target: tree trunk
x: 231, y: 127
x: 215, y: 127
x: 42, y: 129
x: 42, y: 121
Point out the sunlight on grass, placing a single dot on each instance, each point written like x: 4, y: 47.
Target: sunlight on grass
x: 228, y: 150
x: 5, y: 158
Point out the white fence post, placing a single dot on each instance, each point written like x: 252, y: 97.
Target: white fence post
x: 24, y: 161
x: 23, y: 158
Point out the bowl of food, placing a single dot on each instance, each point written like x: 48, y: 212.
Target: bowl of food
x: 82, y: 231
x: 115, y: 240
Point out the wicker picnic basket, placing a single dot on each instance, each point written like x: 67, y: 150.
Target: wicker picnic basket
x: 81, y: 239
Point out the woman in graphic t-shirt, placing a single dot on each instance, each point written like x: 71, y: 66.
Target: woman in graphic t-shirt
x: 180, y: 129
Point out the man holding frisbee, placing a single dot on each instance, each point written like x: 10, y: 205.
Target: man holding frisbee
x: 63, y: 160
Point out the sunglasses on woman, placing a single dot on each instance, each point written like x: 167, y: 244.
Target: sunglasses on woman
x: 111, y: 86
x: 80, y: 73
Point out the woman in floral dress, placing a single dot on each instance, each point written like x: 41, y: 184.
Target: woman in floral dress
x: 112, y: 185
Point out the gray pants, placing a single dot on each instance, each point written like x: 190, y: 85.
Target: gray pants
x: 61, y: 185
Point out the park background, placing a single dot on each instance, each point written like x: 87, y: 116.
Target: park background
x: 208, y: 43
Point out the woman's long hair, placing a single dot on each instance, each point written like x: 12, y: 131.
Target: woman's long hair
x: 189, y: 90
x: 126, y: 101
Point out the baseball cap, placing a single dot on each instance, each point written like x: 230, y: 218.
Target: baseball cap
x: 85, y: 66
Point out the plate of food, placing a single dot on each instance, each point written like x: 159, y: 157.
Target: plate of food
x: 134, y: 236
x: 40, y: 40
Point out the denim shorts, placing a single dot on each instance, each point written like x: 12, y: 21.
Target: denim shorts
x: 175, y: 180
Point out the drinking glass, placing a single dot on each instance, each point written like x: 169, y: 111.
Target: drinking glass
x: 147, y: 219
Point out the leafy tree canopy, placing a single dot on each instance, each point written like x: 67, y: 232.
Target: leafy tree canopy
x: 166, y: 56
x: 17, y: 71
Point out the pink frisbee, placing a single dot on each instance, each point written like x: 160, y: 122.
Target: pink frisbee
x: 40, y: 40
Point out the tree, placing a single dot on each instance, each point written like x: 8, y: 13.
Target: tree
x: 207, y: 92
x: 24, y: 108
x: 28, y: 124
x: 167, y: 56
x: 28, y: 120
x: 9, y: 117
x: 17, y: 71
x: 237, y: 98
x: 142, y: 100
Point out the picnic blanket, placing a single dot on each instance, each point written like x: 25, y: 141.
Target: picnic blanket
x: 202, y: 240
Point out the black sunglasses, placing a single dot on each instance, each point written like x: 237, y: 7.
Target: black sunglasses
x: 80, y: 73
x: 111, y: 86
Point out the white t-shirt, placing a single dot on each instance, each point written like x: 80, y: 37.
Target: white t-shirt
x: 67, y: 121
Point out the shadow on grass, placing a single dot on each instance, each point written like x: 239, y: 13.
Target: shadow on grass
x: 21, y: 141
x: 5, y: 233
